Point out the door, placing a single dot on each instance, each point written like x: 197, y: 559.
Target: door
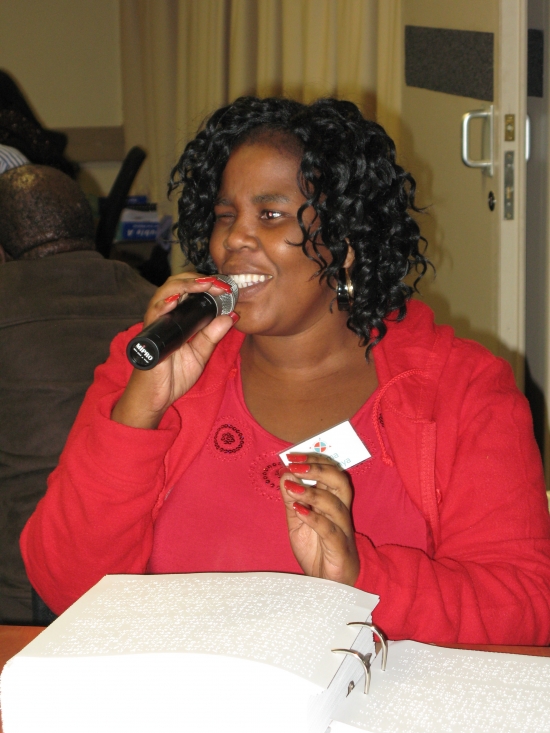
x: 464, y: 57
x: 537, y: 302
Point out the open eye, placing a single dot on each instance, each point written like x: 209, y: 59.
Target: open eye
x: 270, y: 215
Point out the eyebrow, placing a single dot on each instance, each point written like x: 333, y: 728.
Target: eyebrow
x: 271, y: 198
x: 263, y: 198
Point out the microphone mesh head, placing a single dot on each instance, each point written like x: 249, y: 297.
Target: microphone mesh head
x: 227, y: 301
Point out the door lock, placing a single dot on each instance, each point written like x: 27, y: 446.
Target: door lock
x: 509, y: 128
x: 509, y: 184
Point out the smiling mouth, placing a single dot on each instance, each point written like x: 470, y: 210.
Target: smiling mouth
x: 245, y: 280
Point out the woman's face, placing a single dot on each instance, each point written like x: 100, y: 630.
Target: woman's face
x: 256, y: 217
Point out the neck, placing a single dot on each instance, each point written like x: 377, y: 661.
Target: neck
x: 55, y: 247
x: 318, y: 350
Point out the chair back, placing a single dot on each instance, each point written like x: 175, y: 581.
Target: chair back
x: 114, y: 203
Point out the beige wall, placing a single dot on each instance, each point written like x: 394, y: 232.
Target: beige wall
x: 65, y: 56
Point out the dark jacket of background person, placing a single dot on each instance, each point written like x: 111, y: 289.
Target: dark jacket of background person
x: 61, y: 303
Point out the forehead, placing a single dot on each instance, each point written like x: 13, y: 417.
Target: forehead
x: 263, y: 165
x: 282, y: 140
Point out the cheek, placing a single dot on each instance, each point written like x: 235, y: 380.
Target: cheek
x: 215, y: 248
x: 303, y: 292
x: 311, y: 270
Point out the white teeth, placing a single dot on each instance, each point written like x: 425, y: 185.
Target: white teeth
x: 244, y: 280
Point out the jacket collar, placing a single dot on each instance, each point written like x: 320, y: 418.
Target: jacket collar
x: 409, y: 361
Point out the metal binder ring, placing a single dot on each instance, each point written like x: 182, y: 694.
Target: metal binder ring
x: 365, y: 661
x: 380, y: 634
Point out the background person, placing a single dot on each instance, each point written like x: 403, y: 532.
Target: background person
x: 21, y: 131
x: 61, y: 304
x: 176, y: 469
x: 11, y: 158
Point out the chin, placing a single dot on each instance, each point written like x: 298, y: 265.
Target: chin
x: 254, y: 329
x: 252, y: 326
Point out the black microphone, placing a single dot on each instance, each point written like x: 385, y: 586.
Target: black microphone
x: 165, y: 335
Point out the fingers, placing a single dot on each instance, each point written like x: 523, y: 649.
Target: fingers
x: 205, y: 341
x: 319, y: 517
x: 326, y: 473
x: 329, y: 520
x: 176, y: 288
x: 325, y: 507
x: 311, y: 458
x: 316, y: 500
x: 332, y: 534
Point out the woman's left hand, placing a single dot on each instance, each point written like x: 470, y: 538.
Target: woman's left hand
x: 319, y: 519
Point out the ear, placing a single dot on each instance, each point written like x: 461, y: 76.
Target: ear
x: 350, y: 257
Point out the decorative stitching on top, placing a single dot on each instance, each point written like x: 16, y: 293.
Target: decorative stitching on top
x: 228, y: 439
x: 376, y: 412
x: 265, y: 473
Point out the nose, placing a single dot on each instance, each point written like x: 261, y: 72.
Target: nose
x: 240, y: 235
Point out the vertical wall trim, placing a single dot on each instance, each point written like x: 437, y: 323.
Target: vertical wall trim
x: 512, y: 99
x: 546, y: 335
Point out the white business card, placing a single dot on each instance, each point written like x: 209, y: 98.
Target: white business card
x: 341, y: 443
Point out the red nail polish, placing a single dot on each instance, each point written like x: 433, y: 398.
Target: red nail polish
x: 293, y: 487
x: 223, y: 286
x: 297, y: 457
x: 299, y: 468
x: 214, y: 280
x: 300, y: 509
x: 234, y: 316
x: 172, y: 298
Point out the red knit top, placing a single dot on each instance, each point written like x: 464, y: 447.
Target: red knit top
x: 226, y: 512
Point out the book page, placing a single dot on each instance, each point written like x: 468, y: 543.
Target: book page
x: 288, y: 621
x: 428, y: 689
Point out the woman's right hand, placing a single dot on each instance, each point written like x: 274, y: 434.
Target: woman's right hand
x: 150, y: 393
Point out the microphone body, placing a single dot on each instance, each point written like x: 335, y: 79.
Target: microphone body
x: 165, y: 335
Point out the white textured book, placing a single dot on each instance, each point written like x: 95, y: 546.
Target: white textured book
x: 426, y: 689
x: 208, y: 652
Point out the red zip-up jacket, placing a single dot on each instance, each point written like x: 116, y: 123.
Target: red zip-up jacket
x: 462, y: 439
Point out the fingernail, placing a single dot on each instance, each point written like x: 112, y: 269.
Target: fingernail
x: 293, y: 487
x: 218, y: 283
x: 300, y: 508
x: 299, y: 468
x: 223, y: 286
x: 297, y: 457
x: 234, y: 316
x: 172, y: 298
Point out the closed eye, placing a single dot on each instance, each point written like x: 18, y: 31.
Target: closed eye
x: 223, y: 215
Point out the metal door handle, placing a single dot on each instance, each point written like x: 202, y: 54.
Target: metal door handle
x: 486, y: 165
x: 527, y: 138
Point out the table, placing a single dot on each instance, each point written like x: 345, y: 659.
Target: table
x: 14, y: 638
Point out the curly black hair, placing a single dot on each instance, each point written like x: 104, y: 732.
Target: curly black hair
x: 349, y: 176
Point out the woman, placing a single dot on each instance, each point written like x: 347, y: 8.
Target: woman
x: 177, y: 469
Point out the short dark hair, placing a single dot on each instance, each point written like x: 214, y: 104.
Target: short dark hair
x: 41, y: 206
x: 349, y: 176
